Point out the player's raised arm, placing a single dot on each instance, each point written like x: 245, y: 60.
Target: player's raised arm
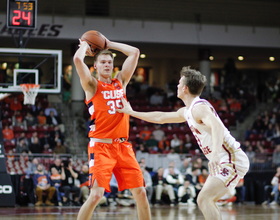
x: 87, y: 81
x: 130, y: 62
x: 155, y: 116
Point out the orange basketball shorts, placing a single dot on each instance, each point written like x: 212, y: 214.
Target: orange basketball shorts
x: 118, y: 158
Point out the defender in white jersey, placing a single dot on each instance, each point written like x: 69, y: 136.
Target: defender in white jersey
x: 227, y: 162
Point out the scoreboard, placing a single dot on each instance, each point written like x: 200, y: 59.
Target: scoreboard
x: 22, y: 14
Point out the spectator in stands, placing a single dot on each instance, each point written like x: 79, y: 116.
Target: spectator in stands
x: 235, y: 106
x: 142, y: 148
x: 142, y: 162
x: 188, y: 143
x: 276, y: 138
x: 171, y: 164
x: 186, y: 166
x: 137, y: 142
x: 32, y: 167
x: 261, y: 153
x: 37, y: 108
x: 156, y: 98
x: 18, y: 120
x: 175, y: 142
x: 24, y: 157
x: 22, y: 147
x: 146, y: 133
x: 57, y: 164
x: 158, y: 133
x: 273, y: 119
x: 272, y: 190
x: 42, y: 119
x: 22, y: 136
x: 57, y: 137
x: 193, y: 178
x: 67, y: 77
x: 68, y: 176
x: 198, y: 162
x: 30, y: 119
x: 162, y: 187
x: 47, y: 149
x: 152, y: 144
x: 272, y: 86
x: 8, y: 134
x: 174, y: 179
x: 55, y: 121
x: 203, y: 176
x: 187, y: 194
x: 163, y: 145
x: 42, y: 183
x: 270, y: 132
x: 10, y: 155
x: 148, y: 182
x: 276, y: 156
x: 45, y: 139
x: 258, y: 125
x: 172, y: 156
x: 84, y: 183
x: 34, y: 144
x: 59, y: 148
x: 28, y: 184
x: 182, y: 149
x: 250, y: 152
x: 16, y: 105
x: 56, y: 182
x: 50, y: 109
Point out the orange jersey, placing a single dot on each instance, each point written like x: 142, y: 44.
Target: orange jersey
x: 108, y: 123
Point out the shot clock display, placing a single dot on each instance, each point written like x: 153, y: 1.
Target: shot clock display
x: 21, y: 14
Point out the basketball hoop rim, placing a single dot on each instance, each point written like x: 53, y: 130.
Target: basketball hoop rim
x: 32, y: 85
x: 28, y: 86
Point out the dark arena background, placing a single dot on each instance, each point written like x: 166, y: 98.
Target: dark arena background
x: 234, y: 43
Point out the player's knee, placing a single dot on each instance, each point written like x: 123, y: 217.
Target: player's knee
x: 201, y: 200
x: 95, y: 197
x: 139, y: 193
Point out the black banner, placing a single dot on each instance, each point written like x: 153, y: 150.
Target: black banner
x: 7, y: 194
x: 2, y: 150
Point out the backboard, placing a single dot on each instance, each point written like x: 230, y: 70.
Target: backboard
x: 30, y: 66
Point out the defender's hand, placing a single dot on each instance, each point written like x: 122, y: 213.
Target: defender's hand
x: 126, y: 107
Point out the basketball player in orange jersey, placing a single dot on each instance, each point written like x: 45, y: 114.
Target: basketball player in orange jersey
x: 227, y: 162
x: 108, y: 149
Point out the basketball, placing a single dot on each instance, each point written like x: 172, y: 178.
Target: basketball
x: 95, y: 40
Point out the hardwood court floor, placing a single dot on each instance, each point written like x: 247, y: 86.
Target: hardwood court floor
x: 236, y: 212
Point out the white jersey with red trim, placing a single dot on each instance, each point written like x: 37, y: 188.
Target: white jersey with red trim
x: 203, y: 134
x: 234, y: 162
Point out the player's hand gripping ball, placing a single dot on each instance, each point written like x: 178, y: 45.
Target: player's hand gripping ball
x: 95, y: 40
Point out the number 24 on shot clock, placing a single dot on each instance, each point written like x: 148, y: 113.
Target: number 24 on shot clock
x: 22, y: 14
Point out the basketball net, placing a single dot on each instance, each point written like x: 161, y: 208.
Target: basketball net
x: 30, y: 92
x: 4, y: 95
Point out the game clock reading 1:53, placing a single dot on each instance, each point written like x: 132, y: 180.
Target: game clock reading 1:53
x: 21, y: 14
